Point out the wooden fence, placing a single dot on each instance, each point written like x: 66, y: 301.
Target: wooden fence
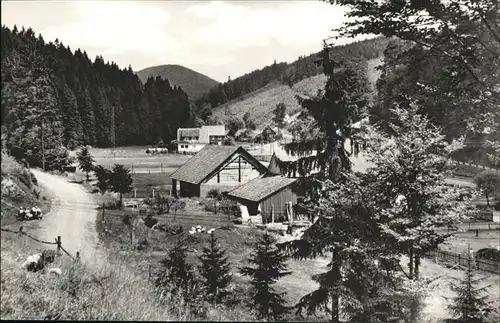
x: 482, y: 226
x: 452, y: 258
x: 469, y: 170
x: 57, y: 241
x: 483, y: 215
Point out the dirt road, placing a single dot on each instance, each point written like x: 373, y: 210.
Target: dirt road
x: 72, y: 217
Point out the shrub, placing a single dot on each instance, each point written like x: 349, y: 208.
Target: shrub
x: 214, y: 194
x: 488, y: 254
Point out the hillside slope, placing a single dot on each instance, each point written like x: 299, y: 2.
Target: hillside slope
x: 19, y: 188
x: 262, y: 102
x: 193, y: 83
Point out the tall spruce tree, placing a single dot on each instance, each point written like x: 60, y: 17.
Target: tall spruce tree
x: 215, y: 270
x: 85, y: 161
x: 324, y: 126
x: 469, y: 306
x: 269, y: 267
x: 324, y: 123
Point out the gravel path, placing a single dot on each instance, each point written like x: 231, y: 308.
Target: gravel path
x: 72, y: 217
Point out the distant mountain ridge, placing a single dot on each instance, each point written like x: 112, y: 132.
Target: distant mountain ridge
x: 193, y: 83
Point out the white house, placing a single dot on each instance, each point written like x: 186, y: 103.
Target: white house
x: 194, y: 139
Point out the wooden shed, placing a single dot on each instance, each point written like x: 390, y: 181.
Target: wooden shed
x: 271, y: 196
x: 215, y: 167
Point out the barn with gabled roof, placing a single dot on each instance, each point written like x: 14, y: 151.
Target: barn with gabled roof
x: 219, y: 167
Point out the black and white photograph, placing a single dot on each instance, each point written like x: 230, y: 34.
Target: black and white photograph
x: 258, y: 161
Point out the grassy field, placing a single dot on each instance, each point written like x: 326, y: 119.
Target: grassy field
x: 461, y: 241
x: 236, y: 240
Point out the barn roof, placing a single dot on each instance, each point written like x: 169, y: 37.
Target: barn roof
x: 210, y: 159
x: 261, y: 188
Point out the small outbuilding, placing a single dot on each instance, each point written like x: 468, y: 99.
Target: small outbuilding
x: 272, y: 197
x: 215, y: 167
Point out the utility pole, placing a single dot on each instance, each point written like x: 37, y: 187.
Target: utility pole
x: 113, y: 125
x: 43, y: 148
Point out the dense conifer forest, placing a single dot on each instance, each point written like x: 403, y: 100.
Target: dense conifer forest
x: 79, y: 101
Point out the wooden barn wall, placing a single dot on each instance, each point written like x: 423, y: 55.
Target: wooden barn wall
x: 278, y: 200
x: 189, y: 190
x: 230, y: 174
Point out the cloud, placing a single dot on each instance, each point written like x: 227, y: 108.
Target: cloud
x: 235, y: 26
x: 217, y: 38
x: 116, y: 26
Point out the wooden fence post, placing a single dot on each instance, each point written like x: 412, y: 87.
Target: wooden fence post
x: 59, y: 244
x: 135, y: 192
x: 102, y: 211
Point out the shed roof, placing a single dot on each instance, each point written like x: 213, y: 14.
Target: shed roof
x: 261, y: 188
x: 208, y: 160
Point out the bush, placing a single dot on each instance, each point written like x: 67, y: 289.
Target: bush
x: 150, y: 221
x: 225, y: 206
x: 214, y: 194
x: 490, y: 254
x: 112, y: 205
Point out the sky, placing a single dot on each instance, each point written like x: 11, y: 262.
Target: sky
x: 220, y: 39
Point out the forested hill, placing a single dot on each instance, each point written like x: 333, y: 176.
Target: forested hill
x: 79, y: 101
x: 194, y: 84
x: 303, y: 67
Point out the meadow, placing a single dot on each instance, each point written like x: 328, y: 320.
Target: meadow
x: 238, y: 241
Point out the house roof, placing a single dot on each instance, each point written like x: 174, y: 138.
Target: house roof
x: 208, y: 160
x: 260, y: 188
x: 219, y: 130
x: 189, y: 132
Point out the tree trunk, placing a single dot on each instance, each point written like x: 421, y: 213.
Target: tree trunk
x: 487, y: 199
x: 87, y: 174
x: 410, y: 264
x: 417, y: 265
x: 336, y: 265
x: 121, y: 199
x: 335, y: 308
